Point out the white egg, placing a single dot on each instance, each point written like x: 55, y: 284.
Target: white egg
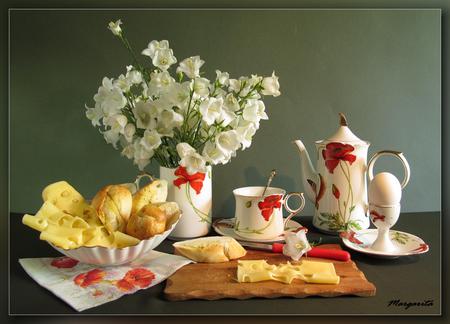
x: 385, y: 189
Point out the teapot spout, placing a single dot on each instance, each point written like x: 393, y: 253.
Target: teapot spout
x: 310, y: 179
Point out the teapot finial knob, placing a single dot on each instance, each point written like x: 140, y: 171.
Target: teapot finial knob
x: 342, y: 119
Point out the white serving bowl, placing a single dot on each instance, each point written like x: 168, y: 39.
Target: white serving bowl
x: 104, y: 256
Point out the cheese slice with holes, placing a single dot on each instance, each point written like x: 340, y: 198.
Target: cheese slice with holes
x: 65, y: 197
x: 308, y: 271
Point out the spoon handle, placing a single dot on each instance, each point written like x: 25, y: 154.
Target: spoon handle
x: 271, y: 176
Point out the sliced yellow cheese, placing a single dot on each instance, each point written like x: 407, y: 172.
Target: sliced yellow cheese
x: 122, y: 240
x: 314, y: 267
x: 91, y: 217
x: 98, y: 236
x: 65, y: 197
x: 34, y: 222
x: 58, y: 240
x: 254, y: 270
x: 321, y: 278
x: 308, y: 271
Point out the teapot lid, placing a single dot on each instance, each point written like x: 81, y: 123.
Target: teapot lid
x: 344, y: 134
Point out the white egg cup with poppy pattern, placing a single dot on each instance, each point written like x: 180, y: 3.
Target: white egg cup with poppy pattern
x: 384, y: 218
x: 193, y: 193
x: 258, y: 217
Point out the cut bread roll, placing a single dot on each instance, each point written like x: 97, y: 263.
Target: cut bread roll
x: 147, y: 222
x: 152, y: 193
x: 113, y: 206
x: 210, y: 249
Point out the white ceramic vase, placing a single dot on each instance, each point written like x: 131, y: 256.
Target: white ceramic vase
x: 193, y: 193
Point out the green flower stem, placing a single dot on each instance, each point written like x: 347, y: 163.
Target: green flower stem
x: 255, y: 231
x: 340, y: 211
x: 203, y: 216
x: 350, y: 191
x: 127, y: 45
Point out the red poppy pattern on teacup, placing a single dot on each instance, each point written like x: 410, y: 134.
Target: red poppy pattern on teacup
x: 268, y: 205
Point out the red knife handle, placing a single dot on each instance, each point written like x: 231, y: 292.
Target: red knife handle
x: 333, y: 254
x: 315, y: 252
x: 277, y: 247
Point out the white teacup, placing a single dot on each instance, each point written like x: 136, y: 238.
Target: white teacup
x: 262, y: 218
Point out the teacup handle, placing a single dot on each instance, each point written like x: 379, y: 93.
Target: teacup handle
x: 293, y: 212
x: 398, y: 155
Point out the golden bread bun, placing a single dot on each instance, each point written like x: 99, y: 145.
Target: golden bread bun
x: 113, y: 206
x: 172, y: 211
x: 210, y: 249
x: 147, y: 222
x: 154, y: 192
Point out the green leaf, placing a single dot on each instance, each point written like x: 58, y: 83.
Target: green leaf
x: 352, y: 208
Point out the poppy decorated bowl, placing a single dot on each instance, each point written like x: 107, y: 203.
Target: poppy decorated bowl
x: 104, y: 256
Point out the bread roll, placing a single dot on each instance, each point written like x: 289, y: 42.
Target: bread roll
x: 210, y: 249
x: 154, y: 192
x: 147, y: 222
x: 172, y: 211
x: 113, y: 205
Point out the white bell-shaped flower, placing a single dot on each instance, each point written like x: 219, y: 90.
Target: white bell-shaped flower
x: 191, y: 66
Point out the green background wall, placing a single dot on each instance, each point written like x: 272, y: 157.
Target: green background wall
x: 380, y: 67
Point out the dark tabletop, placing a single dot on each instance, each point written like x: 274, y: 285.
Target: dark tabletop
x: 412, y: 279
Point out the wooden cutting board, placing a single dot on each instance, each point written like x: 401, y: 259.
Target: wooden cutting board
x: 213, y: 281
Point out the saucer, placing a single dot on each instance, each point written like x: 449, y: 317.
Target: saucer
x: 224, y: 226
x: 405, y: 243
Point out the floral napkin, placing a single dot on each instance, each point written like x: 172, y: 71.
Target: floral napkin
x: 84, y: 286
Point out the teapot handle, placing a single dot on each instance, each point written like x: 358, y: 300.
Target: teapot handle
x: 398, y: 155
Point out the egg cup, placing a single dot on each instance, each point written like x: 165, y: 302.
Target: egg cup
x: 384, y: 217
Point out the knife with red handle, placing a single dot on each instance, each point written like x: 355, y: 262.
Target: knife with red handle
x: 315, y: 252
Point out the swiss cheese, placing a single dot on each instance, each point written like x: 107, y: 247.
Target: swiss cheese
x: 308, y: 271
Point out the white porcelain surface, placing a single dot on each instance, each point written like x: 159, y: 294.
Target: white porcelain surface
x: 225, y: 227
x: 104, y: 256
x: 250, y: 222
x: 383, y: 218
x: 404, y: 243
x: 196, y: 221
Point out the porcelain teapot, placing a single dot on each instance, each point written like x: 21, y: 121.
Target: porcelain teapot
x: 338, y: 185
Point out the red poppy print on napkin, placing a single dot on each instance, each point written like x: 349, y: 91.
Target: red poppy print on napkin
x: 64, y: 262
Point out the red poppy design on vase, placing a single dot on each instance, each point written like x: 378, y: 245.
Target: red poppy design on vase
x: 319, y: 193
x: 336, y: 192
x: 64, y: 262
x: 335, y: 152
x: 139, y: 277
x: 89, y: 278
x: 350, y: 235
x: 195, y: 180
x: 268, y: 205
x: 376, y: 216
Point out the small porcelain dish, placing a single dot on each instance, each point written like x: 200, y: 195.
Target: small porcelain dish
x: 103, y: 256
x: 405, y: 244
